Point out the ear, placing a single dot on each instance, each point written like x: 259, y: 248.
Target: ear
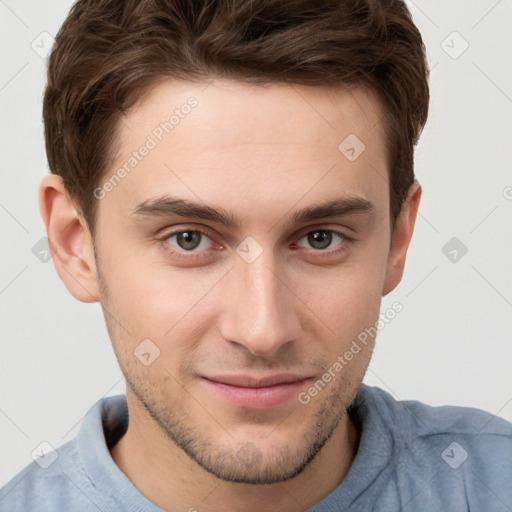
x: 69, y: 240
x: 402, y: 235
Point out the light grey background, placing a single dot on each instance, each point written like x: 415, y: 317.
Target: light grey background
x: 451, y: 344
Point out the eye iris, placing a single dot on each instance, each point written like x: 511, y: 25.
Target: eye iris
x: 320, y: 239
x: 188, y: 239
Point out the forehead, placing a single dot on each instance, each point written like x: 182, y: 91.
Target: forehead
x: 242, y: 112
x: 208, y: 140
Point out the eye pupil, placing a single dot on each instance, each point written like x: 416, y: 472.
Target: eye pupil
x: 320, y: 239
x: 188, y: 239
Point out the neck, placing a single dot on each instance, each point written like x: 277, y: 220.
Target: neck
x: 170, y: 479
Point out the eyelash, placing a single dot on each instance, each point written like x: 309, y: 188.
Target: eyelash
x: 189, y: 255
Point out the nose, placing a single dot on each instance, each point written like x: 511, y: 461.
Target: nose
x: 261, y: 310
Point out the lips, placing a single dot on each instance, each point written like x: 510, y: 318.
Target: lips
x: 246, y: 381
x: 250, y: 392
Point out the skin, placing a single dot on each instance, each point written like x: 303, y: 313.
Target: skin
x: 259, y: 153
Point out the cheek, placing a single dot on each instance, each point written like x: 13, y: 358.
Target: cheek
x: 353, y: 315
x: 347, y: 296
x: 349, y: 306
x: 156, y: 301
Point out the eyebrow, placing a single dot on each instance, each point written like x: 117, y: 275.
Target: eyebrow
x: 167, y: 206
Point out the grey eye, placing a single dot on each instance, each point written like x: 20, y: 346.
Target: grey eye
x: 189, y: 240
x: 321, y: 238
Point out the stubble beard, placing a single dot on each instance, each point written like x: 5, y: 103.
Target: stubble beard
x: 243, y: 462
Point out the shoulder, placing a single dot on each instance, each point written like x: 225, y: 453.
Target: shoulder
x: 426, y: 420
x: 71, y: 476
x: 443, y: 454
x: 47, y: 483
x: 414, y: 421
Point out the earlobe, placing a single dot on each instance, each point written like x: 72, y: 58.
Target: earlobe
x: 69, y: 239
x: 401, y: 238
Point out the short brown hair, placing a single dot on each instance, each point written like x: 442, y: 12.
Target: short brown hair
x: 108, y: 52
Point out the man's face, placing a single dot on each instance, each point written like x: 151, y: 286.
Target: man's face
x: 272, y: 296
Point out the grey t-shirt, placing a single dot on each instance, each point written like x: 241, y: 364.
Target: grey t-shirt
x: 412, y: 458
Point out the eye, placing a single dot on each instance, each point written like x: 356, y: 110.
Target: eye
x: 195, y: 244
x: 188, y: 240
x: 321, y: 239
